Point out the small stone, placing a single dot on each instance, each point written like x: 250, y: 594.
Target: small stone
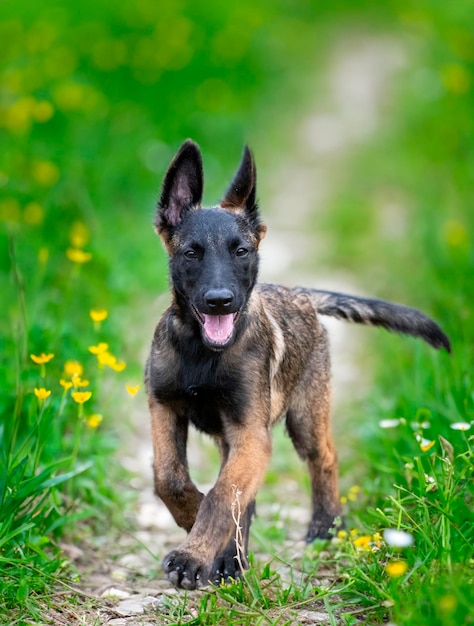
x: 313, y: 617
x: 131, y: 561
x: 114, y: 592
x: 136, y: 605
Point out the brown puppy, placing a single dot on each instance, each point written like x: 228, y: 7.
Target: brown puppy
x: 232, y: 357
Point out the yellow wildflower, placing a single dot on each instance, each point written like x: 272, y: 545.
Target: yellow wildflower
x: 43, y: 255
x: 342, y: 534
x: 81, y: 396
x: 100, y: 348
x: 456, y: 78
x: 455, y: 233
x: 73, y: 368
x: 66, y: 384
x: 132, y: 390
x: 45, y: 173
x: 42, y: 358
x: 78, y: 256
x: 118, y: 366
x: 78, y: 382
x: 105, y: 358
x: 98, y: 315
x: 343, y: 500
x: 42, y: 393
x: 94, y: 420
x: 363, y: 542
x: 426, y: 444
x: 33, y: 214
x: 79, y: 235
x: 353, y: 491
x: 42, y: 111
x: 10, y: 210
x: 448, y: 603
x: 396, y: 568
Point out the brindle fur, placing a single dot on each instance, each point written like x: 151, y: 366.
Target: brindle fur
x: 275, y: 365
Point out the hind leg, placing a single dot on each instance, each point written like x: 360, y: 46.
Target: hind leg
x: 308, y: 423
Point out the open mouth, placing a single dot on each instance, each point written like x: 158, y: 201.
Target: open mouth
x: 217, y: 329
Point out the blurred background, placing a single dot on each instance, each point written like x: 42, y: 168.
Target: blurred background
x: 361, y: 118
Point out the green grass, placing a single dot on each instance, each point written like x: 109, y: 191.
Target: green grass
x: 93, y: 105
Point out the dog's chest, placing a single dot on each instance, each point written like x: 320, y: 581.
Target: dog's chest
x: 204, y: 393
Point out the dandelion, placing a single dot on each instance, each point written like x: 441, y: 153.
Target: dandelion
x: 397, y: 538
x: 396, y: 568
x: 460, y: 426
x: 132, y: 390
x: 363, y: 542
x: 78, y: 256
x: 94, y: 420
x: 65, y: 384
x: 98, y: 316
x: 343, y: 500
x: 42, y: 393
x: 100, y: 348
x: 342, y: 534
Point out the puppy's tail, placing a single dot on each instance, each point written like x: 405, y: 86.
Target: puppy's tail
x: 394, y: 317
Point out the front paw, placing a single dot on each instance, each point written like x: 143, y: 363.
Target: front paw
x: 227, y: 567
x: 185, y: 571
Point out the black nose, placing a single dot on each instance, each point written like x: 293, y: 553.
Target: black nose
x: 219, y: 300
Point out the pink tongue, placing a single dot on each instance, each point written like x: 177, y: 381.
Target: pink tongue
x: 218, y: 328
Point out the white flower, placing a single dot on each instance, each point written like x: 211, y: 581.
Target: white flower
x: 389, y: 423
x: 397, y: 538
x: 417, y: 425
x: 460, y: 426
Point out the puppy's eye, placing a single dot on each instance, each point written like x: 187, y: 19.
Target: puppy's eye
x: 241, y: 252
x: 191, y: 254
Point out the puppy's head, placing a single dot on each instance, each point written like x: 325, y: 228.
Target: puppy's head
x: 213, y: 250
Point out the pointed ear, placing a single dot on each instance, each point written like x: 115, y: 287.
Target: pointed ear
x: 182, y: 187
x: 242, y: 190
x: 241, y: 196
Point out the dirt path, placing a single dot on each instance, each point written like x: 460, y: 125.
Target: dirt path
x: 358, y: 78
